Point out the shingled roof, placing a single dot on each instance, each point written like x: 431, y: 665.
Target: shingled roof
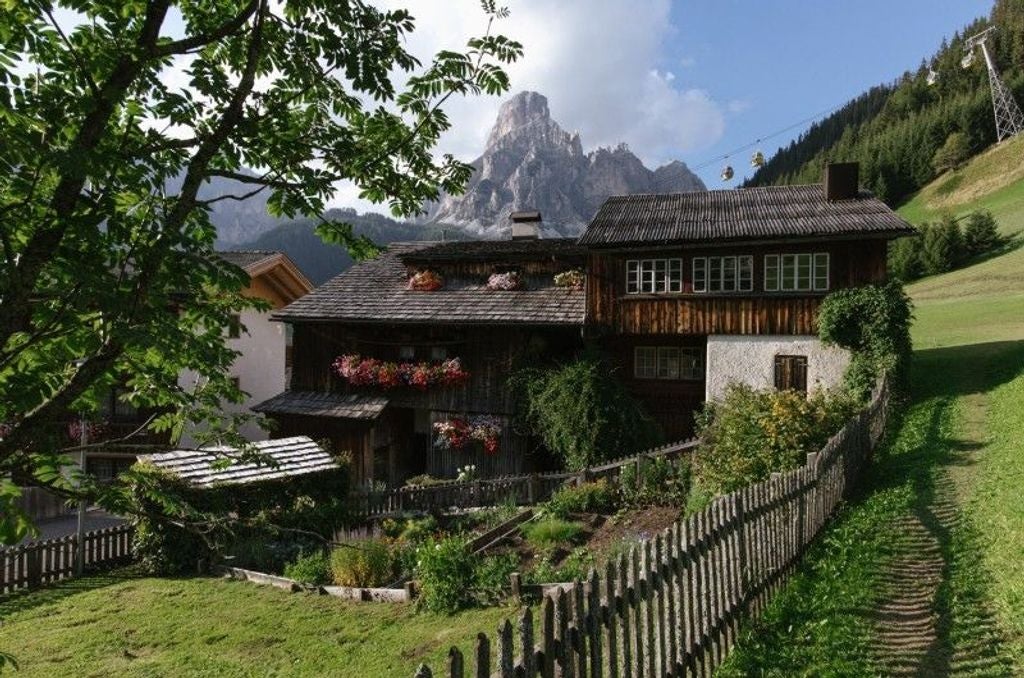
x: 763, y: 213
x: 375, y: 292
x: 291, y: 456
x: 498, y: 250
x: 315, y: 404
x: 246, y: 258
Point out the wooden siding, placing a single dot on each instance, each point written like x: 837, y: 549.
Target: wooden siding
x: 671, y: 402
x: 756, y: 312
x: 488, y: 354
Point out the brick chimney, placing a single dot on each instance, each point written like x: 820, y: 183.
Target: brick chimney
x: 526, y: 225
x: 841, y: 180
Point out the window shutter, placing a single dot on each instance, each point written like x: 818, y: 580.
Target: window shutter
x: 791, y: 373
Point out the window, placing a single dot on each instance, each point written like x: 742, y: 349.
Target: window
x: 438, y: 353
x: 654, y: 276
x: 668, y: 362
x: 796, y: 272
x: 234, y: 326
x: 723, y: 274
x: 406, y: 352
x: 791, y: 373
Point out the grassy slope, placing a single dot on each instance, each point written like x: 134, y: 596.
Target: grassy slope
x: 963, y: 424
x: 128, y: 626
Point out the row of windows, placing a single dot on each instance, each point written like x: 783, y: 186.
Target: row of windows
x: 668, y: 362
x: 410, y: 353
x: 674, y: 362
x: 782, y: 273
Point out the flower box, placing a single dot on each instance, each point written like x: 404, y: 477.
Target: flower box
x: 360, y: 371
x: 509, y: 281
x: 456, y: 433
x: 425, y: 281
x: 572, y: 279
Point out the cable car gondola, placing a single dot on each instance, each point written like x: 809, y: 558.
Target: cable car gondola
x: 968, y: 60
x: 757, y: 160
x: 933, y: 77
x: 727, y: 173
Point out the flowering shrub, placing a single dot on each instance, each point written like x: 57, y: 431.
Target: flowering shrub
x: 92, y: 429
x: 359, y: 371
x: 452, y: 434
x: 571, y: 279
x: 425, y: 281
x: 505, y: 282
x: 466, y: 474
x: 455, y: 433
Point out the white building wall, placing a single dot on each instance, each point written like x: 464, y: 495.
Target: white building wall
x: 751, y: 360
x: 260, y: 368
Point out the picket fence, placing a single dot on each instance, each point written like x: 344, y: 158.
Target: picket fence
x: 43, y: 562
x: 523, y: 490
x: 673, y: 605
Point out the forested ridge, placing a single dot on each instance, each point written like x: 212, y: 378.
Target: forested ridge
x: 894, y: 130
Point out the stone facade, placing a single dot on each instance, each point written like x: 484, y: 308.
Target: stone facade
x: 751, y: 360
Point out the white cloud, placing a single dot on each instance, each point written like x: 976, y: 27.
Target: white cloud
x: 596, y: 61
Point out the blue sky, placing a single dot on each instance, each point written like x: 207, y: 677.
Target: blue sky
x: 780, y: 62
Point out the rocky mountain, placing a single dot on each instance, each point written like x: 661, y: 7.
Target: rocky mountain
x: 530, y: 162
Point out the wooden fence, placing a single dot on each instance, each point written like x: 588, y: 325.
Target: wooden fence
x: 43, y: 562
x: 673, y: 605
x: 522, y: 490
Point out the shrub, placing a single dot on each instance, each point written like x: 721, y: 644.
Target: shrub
x: 594, y: 497
x: 445, y: 569
x: 492, y: 576
x: 423, y: 480
x: 873, y: 323
x: 312, y: 568
x: 981, y: 234
x: 583, y: 413
x: 750, y: 434
x: 364, y: 563
x: 549, y: 532
x: 658, y: 482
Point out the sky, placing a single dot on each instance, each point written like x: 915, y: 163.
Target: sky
x: 687, y: 80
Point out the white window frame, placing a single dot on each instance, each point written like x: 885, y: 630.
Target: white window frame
x: 797, y: 272
x: 654, y: 276
x: 668, y: 363
x: 733, y: 273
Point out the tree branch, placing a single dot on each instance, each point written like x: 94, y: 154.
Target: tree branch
x: 219, y: 33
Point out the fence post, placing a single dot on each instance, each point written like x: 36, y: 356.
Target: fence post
x: 531, y: 489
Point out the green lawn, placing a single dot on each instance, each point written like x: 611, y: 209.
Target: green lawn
x: 123, y: 625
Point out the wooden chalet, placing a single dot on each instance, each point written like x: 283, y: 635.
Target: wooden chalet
x: 693, y: 291
x: 687, y: 292
x: 370, y: 311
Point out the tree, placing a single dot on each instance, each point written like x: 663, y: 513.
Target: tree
x: 108, y: 274
x: 953, y: 153
x: 981, y: 234
x: 905, y: 258
x: 942, y: 249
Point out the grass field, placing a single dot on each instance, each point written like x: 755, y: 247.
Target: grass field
x: 123, y: 625
x: 957, y: 452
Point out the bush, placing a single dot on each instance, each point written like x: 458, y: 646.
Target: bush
x: 423, y: 480
x: 981, y: 234
x: 595, y: 497
x: 550, y: 532
x: 750, y: 434
x: 658, y: 483
x: 445, y: 569
x: 313, y: 568
x: 873, y: 323
x: 575, y: 567
x: 492, y: 576
x: 367, y: 563
x: 583, y: 413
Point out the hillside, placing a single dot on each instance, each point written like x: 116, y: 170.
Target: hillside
x: 894, y: 129
x: 320, y: 261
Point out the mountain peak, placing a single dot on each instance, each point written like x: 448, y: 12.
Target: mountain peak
x: 530, y: 162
